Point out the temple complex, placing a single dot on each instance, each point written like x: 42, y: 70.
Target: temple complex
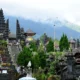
x: 5, y: 32
x: 68, y: 67
x: 13, y: 39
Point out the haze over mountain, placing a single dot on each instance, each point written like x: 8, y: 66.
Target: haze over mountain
x: 40, y: 16
x: 61, y: 26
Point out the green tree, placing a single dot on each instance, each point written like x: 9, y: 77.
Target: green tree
x: 41, y: 46
x: 33, y: 46
x: 3, y: 42
x: 24, y: 57
x: 42, y: 38
x: 35, y: 61
x: 42, y: 58
x: 50, y: 46
x: 64, y: 44
x: 61, y: 43
x: 52, y: 68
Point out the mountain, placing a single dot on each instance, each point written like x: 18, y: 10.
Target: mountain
x: 44, y: 27
x: 72, y: 26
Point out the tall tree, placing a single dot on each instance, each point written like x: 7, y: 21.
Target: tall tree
x: 64, y: 44
x: 42, y: 58
x: 50, y: 46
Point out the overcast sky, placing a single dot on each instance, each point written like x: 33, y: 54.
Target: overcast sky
x: 43, y: 9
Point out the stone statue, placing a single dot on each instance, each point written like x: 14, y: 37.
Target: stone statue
x: 29, y: 64
x: 29, y: 70
x: 29, y: 73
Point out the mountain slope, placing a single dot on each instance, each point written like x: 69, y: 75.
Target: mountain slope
x: 40, y: 27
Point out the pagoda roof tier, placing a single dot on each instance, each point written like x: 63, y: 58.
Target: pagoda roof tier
x: 29, y: 33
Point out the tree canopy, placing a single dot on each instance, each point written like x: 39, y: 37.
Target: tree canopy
x: 50, y: 46
x: 24, y: 57
x: 64, y: 44
x: 33, y: 46
x: 42, y: 59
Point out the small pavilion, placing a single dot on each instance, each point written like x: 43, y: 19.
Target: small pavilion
x: 29, y: 36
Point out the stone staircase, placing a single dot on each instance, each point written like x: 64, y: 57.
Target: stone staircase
x: 14, y: 50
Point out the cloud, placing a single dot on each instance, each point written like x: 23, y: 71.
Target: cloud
x: 43, y: 9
